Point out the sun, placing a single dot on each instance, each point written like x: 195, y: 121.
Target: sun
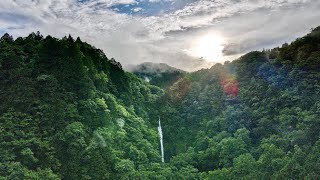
x: 208, y: 47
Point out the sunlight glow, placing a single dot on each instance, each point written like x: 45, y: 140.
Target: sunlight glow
x: 208, y: 47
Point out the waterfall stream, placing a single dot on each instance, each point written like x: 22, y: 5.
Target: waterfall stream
x: 161, y: 141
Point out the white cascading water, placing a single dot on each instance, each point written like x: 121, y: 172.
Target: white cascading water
x: 161, y: 141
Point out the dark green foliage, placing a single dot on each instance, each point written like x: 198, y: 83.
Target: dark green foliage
x: 303, y: 52
x: 254, y: 118
x: 69, y: 112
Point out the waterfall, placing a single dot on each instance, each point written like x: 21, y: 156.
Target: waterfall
x: 161, y: 141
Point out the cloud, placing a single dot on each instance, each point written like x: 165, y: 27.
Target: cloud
x: 246, y: 25
x: 137, y: 9
x: 108, y: 3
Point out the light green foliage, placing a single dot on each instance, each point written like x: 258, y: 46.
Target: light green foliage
x: 69, y: 112
x: 219, y: 174
x: 245, y: 167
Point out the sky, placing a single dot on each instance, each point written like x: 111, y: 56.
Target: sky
x: 186, y: 34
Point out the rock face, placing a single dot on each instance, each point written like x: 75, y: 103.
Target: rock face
x: 116, y: 63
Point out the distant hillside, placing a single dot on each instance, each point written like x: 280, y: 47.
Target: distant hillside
x: 159, y: 74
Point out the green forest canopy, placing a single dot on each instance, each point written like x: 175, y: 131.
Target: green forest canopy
x: 69, y: 112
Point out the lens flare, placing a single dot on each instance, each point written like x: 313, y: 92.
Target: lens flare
x: 229, y: 84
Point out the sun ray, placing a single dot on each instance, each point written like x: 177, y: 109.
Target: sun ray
x: 208, y: 47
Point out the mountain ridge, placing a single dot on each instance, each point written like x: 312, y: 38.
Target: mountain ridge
x: 69, y: 112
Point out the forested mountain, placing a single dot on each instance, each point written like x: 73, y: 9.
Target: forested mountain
x: 255, y: 118
x: 159, y: 74
x: 69, y: 112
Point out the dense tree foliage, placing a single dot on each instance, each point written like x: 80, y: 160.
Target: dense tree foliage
x: 69, y: 112
x: 254, y: 118
x: 158, y: 74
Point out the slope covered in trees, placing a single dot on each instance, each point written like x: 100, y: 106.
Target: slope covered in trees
x: 255, y: 118
x: 69, y: 112
x: 159, y: 74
